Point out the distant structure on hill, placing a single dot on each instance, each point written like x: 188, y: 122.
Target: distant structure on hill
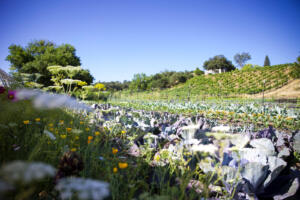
x: 214, y: 71
x: 5, y: 79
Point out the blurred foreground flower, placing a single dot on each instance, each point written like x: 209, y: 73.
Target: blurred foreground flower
x: 48, y: 100
x: 23, y: 172
x: 123, y: 165
x: 12, y: 95
x: 70, y: 188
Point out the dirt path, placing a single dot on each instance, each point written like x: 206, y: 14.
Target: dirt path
x: 291, y: 90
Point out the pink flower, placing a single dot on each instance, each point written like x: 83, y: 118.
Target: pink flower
x: 12, y: 95
x: 2, y: 89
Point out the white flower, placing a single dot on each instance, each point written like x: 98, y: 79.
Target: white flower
x: 83, y: 188
x: 49, y: 134
x: 22, y: 172
x: 48, y: 100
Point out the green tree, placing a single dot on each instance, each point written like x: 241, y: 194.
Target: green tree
x: 198, y: 72
x: 241, y: 58
x: 218, y: 62
x: 38, y: 55
x: 267, y: 61
x: 139, y: 82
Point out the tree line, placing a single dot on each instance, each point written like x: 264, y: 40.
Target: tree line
x: 31, y: 64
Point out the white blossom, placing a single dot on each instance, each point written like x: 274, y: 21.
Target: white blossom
x: 23, y: 172
x: 83, y: 188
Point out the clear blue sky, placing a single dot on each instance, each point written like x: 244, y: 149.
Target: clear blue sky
x: 116, y: 39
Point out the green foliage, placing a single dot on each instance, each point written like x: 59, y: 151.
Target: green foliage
x: 247, y: 67
x: 267, y: 61
x: 38, y: 55
x: 198, y: 72
x: 218, y: 62
x: 240, y: 59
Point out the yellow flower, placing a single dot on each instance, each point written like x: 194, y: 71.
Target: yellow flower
x: 71, y: 122
x: 90, y: 137
x: 37, y: 119
x: 63, y: 136
x: 61, y: 121
x: 50, y: 125
x: 87, y: 129
x: 289, y: 118
x: 76, y: 137
x: 26, y: 122
x: 115, y: 170
x: 122, y: 165
x: 81, y: 122
x: 156, y: 158
x: 73, y: 149
x: 51, y: 129
x: 69, y: 129
x: 123, y: 132
x: 97, y: 133
x: 49, y: 142
x: 114, y: 150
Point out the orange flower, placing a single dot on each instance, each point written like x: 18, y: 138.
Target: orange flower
x: 123, y: 165
x: 114, y: 150
x: 89, y: 141
x: 69, y: 129
x: 90, y: 137
x: 115, y: 170
x: 26, y: 122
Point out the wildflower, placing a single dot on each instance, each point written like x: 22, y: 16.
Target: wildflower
x: 19, y: 171
x: 90, y: 137
x: 87, y: 129
x: 80, y: 188
x: 114, y: 150
x: 71, y: 122
x: 115, y: 170
x: 156, y: 158
x: 69, y: 129
x: 61, y: 122
x: 51, y: 129
x: 50, y: 125
x: 11, y: 95
x: 73, y: 149
x: 63, y: 136
x: 89, y: 141
x: 37, y: 119
x: 47, y: 100
x: 49, y: 134
x: 81, y: 122
x: 97, y: 133
x: 2, y: 89
x: 289, y: 118
x: 123, y: 165
x: 123, y: 132
x: 76, y: 137
x: 26, y: 122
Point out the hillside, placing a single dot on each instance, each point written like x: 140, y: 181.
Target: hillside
x: 236, y: 83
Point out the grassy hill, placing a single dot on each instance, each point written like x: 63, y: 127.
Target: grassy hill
x: 236, y: 83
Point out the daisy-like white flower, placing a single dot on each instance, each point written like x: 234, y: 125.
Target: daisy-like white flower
x: 72, y: 187
x: 23, y: 172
